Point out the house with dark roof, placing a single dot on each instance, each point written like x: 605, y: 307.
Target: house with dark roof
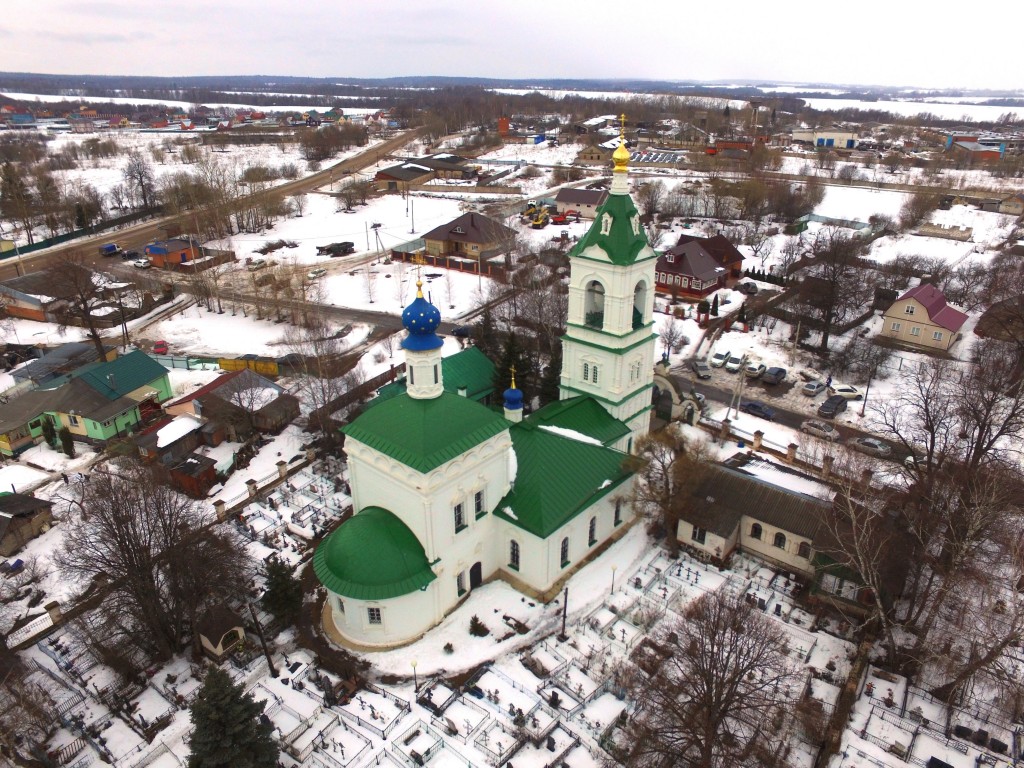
x: 30, y: 297
x: 471, y: 235
x: 922, y: 319
x: 171, y: 254
x: 1012, y: 205
x: 785, y: 518
x: 585, y: 201
x: 60, y: 361
x: 718, y: 247
x: 689, y: 271
x: 220, y: 631
x: 22, y: 518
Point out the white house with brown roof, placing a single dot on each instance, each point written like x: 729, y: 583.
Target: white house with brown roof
x: 922, y: 318
x: 586, y: 201
x: 472, y: 235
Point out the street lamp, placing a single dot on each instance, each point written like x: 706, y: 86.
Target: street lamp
x: 614, y: 567
x: 416, y: 680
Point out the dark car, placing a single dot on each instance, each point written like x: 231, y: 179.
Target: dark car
x: 700, y: 368
x: 130, y: 255
x: 755, y: 408
x: 773, y: 375
x: 832, y: 407
x: 748, y: 288
x: 462, y: 331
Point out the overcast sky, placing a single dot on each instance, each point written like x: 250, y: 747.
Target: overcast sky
x: 891, y: 42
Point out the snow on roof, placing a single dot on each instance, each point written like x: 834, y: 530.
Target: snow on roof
x: 571, y: 434
x: 178, y: 427
x: 417, y: 167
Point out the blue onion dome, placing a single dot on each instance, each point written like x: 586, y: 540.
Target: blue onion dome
x: 513, y: 397
x: 421, y: 319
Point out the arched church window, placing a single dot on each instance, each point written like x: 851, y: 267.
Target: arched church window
x: 593, y: 305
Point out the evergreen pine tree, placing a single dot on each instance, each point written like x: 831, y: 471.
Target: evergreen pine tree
x: 726, y: 113
x: 228, y: 730
x: 549, y: 383
x: 511, y: 356
x: 49, y: 431
x: 485, y: 335
x: 283, y: 597
x: 67, y: 442
x: 714, y: 306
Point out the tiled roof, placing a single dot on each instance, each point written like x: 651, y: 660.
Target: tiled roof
x: 573, y: 196
x: 206, y: 389
x: 718, y: 247
x: 725, y: 495
x: 470, y: 228
x: 690, y: 260
x: 581, y: 414
x: 557, y: 478
x: 424, y: 434
x: 934, y: 303
x: 372, y: 556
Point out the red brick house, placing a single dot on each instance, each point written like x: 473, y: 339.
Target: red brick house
x: 697, y: 266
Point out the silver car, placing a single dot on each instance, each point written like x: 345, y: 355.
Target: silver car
x: 734, y: 363
x: 871, y: 446
x: 820, y: 429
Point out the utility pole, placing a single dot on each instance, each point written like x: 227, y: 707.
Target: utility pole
x: 565, y: 609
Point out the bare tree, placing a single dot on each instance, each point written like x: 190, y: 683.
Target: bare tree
x: 162, y: 565
x: 835, y: 288
x: 672, y: 334
x: 722, y: 687
x: 369, y: 283
x: 669, y: 469
x: 81, y: 290
x: 649, y: 197
x: 322, y: 366
x: 139, y: 178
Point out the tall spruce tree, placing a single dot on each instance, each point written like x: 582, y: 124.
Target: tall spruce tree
x: 550, y: 382
x: 228, y: 730
x: 512, y: 356
x: 714, y: 306
x: 283, y: 597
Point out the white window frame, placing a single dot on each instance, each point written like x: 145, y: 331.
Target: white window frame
x: 915, y: 331
x: 937, y: 336
x: 895, y: 327
x: 459, y: 513
x: 909, y: 309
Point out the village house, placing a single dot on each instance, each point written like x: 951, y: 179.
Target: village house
x: 1012, y: 205
x: 220, y: 631
x: 688, y: 270
x: 471, y: 235
x: 169, y: 254
x: 921, y: 318
x: 22, y: 518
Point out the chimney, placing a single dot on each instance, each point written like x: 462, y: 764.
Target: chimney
x: 462, y: 391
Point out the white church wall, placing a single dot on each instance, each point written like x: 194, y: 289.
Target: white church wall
x: 401, y: 619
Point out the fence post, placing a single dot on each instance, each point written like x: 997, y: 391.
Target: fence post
x: 758, y: 437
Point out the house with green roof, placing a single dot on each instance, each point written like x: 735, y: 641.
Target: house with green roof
x: 451, y: 493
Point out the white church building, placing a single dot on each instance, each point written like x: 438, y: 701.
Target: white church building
x: 451, y: 493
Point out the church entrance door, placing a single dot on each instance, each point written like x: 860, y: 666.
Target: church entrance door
x: 476, y: 575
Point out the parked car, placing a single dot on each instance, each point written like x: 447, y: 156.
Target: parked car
x: 700, y: 368
x: 256, y: 264
x: 755, y: 408
x: 748, y: 288
x: 142, y: 263
x: 832, y: 407
x: 316, y: 273
x: 336, y: 249
x: 871, y: 446
x: 462, y: 331
x: 820, y: 429
x: 160, y: 348
x: 774, y: 375
x: 848, y: 391
x: 130, y: 255
x: 734, y: 363
x: 719, y: 359
x: 813, y: 388
x: 110, y: 249
x: 754, y: 369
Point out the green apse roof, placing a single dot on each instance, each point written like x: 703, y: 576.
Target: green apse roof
x: 372, y: 556
x: 469, y: 368
x: 621, y: 244
x: 424, y: 434
x: 581, y: 414
x: 557, y: 477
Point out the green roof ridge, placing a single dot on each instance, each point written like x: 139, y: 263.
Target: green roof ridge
x: 557, y: 477
x: 424, y: 434
x: 372, y: 556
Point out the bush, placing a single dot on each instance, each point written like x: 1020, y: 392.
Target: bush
x: 449, y: 648
x: 67, y: 442
x: 477, y: 627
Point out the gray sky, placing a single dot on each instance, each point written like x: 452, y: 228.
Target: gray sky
x: 895, y: 42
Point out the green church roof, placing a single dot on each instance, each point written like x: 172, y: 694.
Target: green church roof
x: 581, y: 414
x: 557, y: 477
x: 621, y: 244
x: 424, y: 434
x: 469, y: 368
x: 372, y: 556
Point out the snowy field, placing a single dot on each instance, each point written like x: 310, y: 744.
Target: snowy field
x: 186, y: 105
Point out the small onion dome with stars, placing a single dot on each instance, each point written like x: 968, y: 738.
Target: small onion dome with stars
x: 421, y: 319
x: 513, y: 397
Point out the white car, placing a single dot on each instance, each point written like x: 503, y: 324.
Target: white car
x: 820, y: 429
x: 256, y: 264
x: 734, y: 363
x: 316, y: 273
x: 719, y: 359
x: 142, y: 263
x: 848, y: 391
x: 754, y: 370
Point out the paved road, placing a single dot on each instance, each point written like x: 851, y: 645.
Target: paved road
x: 138, y: 235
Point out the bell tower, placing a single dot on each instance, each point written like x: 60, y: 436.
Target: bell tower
x: 608, y: 349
